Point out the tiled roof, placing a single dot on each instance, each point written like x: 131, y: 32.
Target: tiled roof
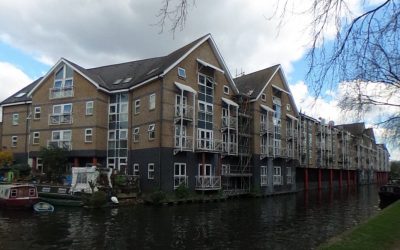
x: 253, y: 83
x: 354, y: 128
x: 21, y: 95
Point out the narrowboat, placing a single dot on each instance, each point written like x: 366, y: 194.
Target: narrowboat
x: 390, y: 192
x: 18, y: 196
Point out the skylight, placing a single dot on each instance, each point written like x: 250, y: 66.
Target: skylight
x: 152, y: 71
x: 20, y: 94
x: 127, y: 79
x: 117, y: 81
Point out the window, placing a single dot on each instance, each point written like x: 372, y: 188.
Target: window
x: 180, y: 174
x: 288, y: 175
x: 14, y: 140
x: 13, y: 193
x: 36, y: 113
x: 226, y: 90
x: 15, y: 119
x: 264, y: 175
x: 288, y: 107
x: 36, y: 138
x: 152, y: 101
x: 81, y: 178
x: 137, y: 106
x: 62, y: 114
x: 61, y: 139
x: 150, y: 171
x: 136, y: 134
x: 63, y: 83
x: 123, y: 134
x: 88, y: 135
x: 152, y: 132
x: 277, y: 178
x: 136, y: 169
x: 181, y: 72
x: 263, y: 97
x: 89, y: 108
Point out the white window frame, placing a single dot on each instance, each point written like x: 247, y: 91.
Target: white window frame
x: 263, y: 97
x: 136, y: 169
x: 14, y: 141
x: 136, y: 134
x: 277, y: 175
x: 181, y: 177
x: 36, y: 113
x: 289, y: 179
x: 226, y: 90
x: 89, y: 107
x: 264, y: 175
x: 123, y: 134
x: 152, y: 131
x: 64, y: 78
x: 36, y: 138
x: 182, y: 72
x: 152, y: 101
x: 15, y: 119
x: 88, y: 135
x: 61, y: 141
x: 137, y: 106
x: 150, y: 171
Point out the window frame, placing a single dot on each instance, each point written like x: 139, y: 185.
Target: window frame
x: 36, y: 136
x: 264, y: 173
x: 180, y: 71
x: 263, y: 97
x: 37, y: 111
x: 151, y: 131
x: 88, y: 135
x: 87, y: 108
x: 150, y: 171
x: 152, y: 101
x: 226, y: 90
x: 136, y: 169
x: 136, y: 107
x: 136, y: 134
x: 15, y: 119
x: 14, y: 141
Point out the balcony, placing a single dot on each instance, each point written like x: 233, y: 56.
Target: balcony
x: 229, y: 122
x: 67, y: 145
x: 280, y: 152
x: 265, y: 128
x: 208, y: 182
x: 236, y: 170
x: 277, y: 180
x: 209, y: 145
x: 59, y: 119
x: 229, y: 148
x: 179, y: 180
x: 56, y: 93
x: 291, y: 134
x: 184, y: 112
x: 266, y: 151
x: 183, y: 143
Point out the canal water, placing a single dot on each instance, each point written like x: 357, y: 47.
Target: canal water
x: 296, y: 221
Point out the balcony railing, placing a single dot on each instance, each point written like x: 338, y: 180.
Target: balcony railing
x: 289, y: 180
x: 61, y: 92
x: 60, y: 144
x: 185, y: 143
x: 209, y: 145
x: 229, y: 122
x: 265, y: 127
x: 280, y: 152
x: 229, y: 148
x: 264, y: 180
x: 277, y: 180
x: 57, y: 119
x: 208, y: 182
x: 184, y: 112
x: 179, y: 180
x: 266, y: 151
x: 236, y: 170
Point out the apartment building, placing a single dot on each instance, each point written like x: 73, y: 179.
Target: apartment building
x: 274, y: 134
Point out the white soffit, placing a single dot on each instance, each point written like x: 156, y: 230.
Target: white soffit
x: 266, y: 108
x: 185, y: 87
x: 291, y: 117
x: 210, y: 65
x: 229, y: 102
x: 281, y: 89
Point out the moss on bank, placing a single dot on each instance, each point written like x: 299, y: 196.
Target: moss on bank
x: 380, y: 232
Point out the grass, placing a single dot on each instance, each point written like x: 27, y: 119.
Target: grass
x: 380, y: 232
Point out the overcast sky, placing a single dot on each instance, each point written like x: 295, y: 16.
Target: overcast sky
x: 35, y: 34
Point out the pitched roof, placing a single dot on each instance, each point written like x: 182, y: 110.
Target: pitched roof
x: 354, y: 128
x: 252, y: 84
x: 21, y: 95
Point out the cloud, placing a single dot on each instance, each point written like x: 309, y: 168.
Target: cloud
x: 13, y: 78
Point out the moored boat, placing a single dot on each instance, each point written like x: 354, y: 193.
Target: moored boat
x: 18, y: 195
x: 43, y: 207
x: 390, y: 192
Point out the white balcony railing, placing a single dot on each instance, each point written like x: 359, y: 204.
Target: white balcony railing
x: 209, y: 145
x: 277, y: 180
x: 280, y: 152
x: 61, y: 92
x: 184, y: 143
x: 289, y: 180
x: 208, y: 182
x: 184, y: 111
x: 57, y: 119
x: 265, y: 127
x: 229, y: 148
x: 266, y: 151
x: 264, y: 180
x: 60, y: 144
x: 178, y: 180
x: 229, y: 122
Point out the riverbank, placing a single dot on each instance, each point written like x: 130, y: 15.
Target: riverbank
x: 379, y: 232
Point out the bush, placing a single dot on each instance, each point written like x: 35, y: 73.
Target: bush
x: 157, y: 196
x: 182, y: 191
x: 98, y: 199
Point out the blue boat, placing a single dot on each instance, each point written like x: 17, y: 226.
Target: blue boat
x: 43, y: 207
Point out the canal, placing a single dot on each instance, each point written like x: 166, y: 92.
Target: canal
x: 296, y: 221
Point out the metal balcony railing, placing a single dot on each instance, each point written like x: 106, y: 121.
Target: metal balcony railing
x: 184, y: 112
x: 208, y: 182
x: 277, y: 180
x: 266, y: 151
x: 236, y: 170
x: 60, y: 144
x: 229, y: 122
x: 184, y: 143
x: 209, y: 145
x: 229, y: 148
x: 265, y: 127
x: 179, y: 180
x: 57, y: 119
x: 56, y: 93
x: 264, y: 180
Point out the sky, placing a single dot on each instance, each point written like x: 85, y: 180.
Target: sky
x: 35, y: 34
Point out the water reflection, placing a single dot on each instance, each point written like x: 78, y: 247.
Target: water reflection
x: 298, y: 221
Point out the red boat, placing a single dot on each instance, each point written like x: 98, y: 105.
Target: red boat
x: 18, y: 195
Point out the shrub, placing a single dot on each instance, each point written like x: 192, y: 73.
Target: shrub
x: 98, y: 199
x: 182, y: 191
x: 157, y: 196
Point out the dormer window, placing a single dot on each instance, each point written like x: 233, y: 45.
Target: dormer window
x: 263, y: 97
x: 226, y: 90
x: 181, y: 72
x: 63, y: 83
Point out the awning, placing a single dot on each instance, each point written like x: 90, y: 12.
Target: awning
x: 229, y: 102
x: 210, y: 65
x: 281, y: 89
x: 291, y: 117
x: 185, y: 87
x: 266, y: 108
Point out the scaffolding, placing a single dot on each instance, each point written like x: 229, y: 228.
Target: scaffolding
x: 236, y: 178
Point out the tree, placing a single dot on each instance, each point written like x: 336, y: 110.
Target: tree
x: 364, y: 55
x: 54, y: 160
x: 6, y: 158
